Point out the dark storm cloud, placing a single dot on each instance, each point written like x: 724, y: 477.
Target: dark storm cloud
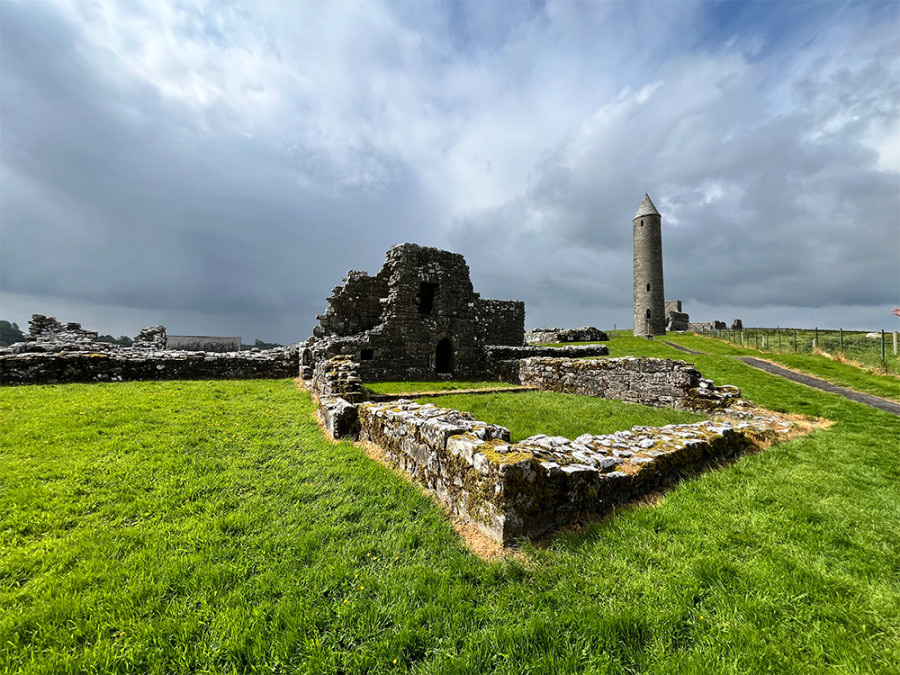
x: 218, y: 169
x: 115, y: 196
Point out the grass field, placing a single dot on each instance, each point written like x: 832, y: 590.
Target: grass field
x: 208, y: 527
x: 852, y: 345
x: 528, y: 413
x: 837, y: 372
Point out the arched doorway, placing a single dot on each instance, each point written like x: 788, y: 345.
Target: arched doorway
x: 443, y: 357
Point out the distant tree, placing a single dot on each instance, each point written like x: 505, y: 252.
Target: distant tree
x: 122, y: 340
x: 10, y: 334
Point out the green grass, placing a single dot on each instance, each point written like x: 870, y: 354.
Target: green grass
x: 529, y: 413
x: 853, y: 345
x: 836, y: 372
x: 208, y: 527
x: 412, y: 387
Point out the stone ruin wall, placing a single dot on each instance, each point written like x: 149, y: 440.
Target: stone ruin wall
x: 512, y: 490
x: 391, y: 323
x: 525, y: 489
x: 664, y: 383
x: 203, y: 343
x: 500, y: 322
x: 57, y: 354
x: 561, y: 335
x: 353, y: 307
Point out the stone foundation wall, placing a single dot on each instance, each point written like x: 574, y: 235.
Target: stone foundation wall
x: 525, y: 489
x: 128, y: 364
x: 656, y: 382
x: 436, y: 446
x: 338, y: 376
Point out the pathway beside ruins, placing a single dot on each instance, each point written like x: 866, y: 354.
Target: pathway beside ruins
x: 808, y: 380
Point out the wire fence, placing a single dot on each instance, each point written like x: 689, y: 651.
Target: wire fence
x: 875, y: 350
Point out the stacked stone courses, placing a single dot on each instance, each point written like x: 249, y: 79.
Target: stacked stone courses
x: 124, y: 365
x: 559, y: 335
x: 418, y: 318
x: 666, y: 383
x: 525, y: 489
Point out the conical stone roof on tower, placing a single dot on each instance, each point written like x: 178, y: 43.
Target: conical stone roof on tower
x: 646, y: 208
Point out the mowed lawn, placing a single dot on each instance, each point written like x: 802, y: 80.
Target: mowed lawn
x: 208, y: 527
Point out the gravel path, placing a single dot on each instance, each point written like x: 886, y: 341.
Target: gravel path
x: 680, y: 348
x: 859, y: 397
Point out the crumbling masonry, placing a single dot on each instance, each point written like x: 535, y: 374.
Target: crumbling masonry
x: 510, y: 490
x: 418, y: 319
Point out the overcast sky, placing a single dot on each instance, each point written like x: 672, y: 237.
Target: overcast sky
x: 217, y: 167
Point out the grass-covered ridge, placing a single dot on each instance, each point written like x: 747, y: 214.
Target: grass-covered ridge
x: 529, y: 413
x: 209, y: 527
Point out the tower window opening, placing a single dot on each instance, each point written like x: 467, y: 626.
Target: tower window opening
x: 648, y: 313
x: 648, y: 288
x: 427, y: 292
x: 642, y: 222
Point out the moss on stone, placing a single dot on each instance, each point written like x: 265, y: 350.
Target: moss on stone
x: 502, y: 458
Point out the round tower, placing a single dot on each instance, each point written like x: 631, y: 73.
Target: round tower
x: 649, y: 298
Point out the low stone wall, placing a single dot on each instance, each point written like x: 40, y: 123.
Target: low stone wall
x: 338, y: 376
x: 706, y: 327
x: 128, y: 364
x: 656, y: 382
x: 203, y: 343
x: 586, y: 334
x: 525, y: 489
x: 337, y: 388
